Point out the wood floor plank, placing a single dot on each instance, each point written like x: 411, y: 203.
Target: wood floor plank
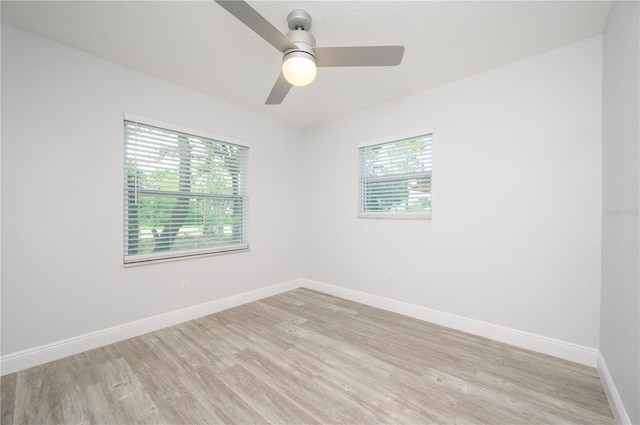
x: 37, y: 398
x: 269, y: 403
x: 229, y: 406
x: 323, y: 404
x: 304, y: 357
x: 97, y: 403
x: 126, y: 395
x: 7, y: 398
x: 167, y: 391
x: 74, y: 375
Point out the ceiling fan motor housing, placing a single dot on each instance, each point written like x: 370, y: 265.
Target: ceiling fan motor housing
x: 305, y: 42
x: 299, y: 22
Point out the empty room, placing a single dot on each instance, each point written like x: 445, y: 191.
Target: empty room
x: 304, y: 212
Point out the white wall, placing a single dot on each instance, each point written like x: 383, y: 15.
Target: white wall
x: 62, y: 200
x: 514, y: 239
x: 620, y: 323
x: 515, y: 234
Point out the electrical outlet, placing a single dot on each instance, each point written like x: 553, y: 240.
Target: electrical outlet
x: 184, y: 285
x: 390, y: 279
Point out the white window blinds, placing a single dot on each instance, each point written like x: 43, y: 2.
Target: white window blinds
x: 395, y: 179
x: 184, y: 195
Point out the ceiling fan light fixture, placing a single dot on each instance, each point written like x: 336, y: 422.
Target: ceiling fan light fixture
x: 299, y: 68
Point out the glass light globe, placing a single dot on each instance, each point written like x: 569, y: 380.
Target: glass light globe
x: 299, y: 69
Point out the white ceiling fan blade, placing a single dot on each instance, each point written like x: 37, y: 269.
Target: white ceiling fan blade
x: 279, y: 91
x: 251, y: 18
x: 359, y: 56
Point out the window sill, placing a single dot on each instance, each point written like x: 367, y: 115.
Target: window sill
x: 186, y: 256
x: 394, y: 216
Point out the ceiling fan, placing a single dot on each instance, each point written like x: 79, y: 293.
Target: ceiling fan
x: 300, y: 56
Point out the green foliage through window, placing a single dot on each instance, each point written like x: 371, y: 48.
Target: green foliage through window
x: 395, y: 178
x: 184, y: 194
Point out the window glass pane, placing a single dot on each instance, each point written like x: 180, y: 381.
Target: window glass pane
x: 395, y: 178
x: 184, y: 195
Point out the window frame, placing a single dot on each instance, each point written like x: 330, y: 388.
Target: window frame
x: 401, y: 215
x: 164, y: 256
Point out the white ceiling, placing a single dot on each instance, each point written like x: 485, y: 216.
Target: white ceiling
x: 199, y: 45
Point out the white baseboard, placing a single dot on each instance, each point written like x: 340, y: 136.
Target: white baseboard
x: 541, y: 344
x: 14, y: 362
x: 45, y: 353
x: 617, y: 407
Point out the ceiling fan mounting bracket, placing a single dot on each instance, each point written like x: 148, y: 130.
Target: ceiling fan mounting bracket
x: 299, y: 20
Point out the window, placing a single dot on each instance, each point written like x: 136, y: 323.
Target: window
x: 184, y: 195
x: 395, y: 179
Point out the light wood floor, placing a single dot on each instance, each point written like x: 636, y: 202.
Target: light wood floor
x: 304, y: 357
